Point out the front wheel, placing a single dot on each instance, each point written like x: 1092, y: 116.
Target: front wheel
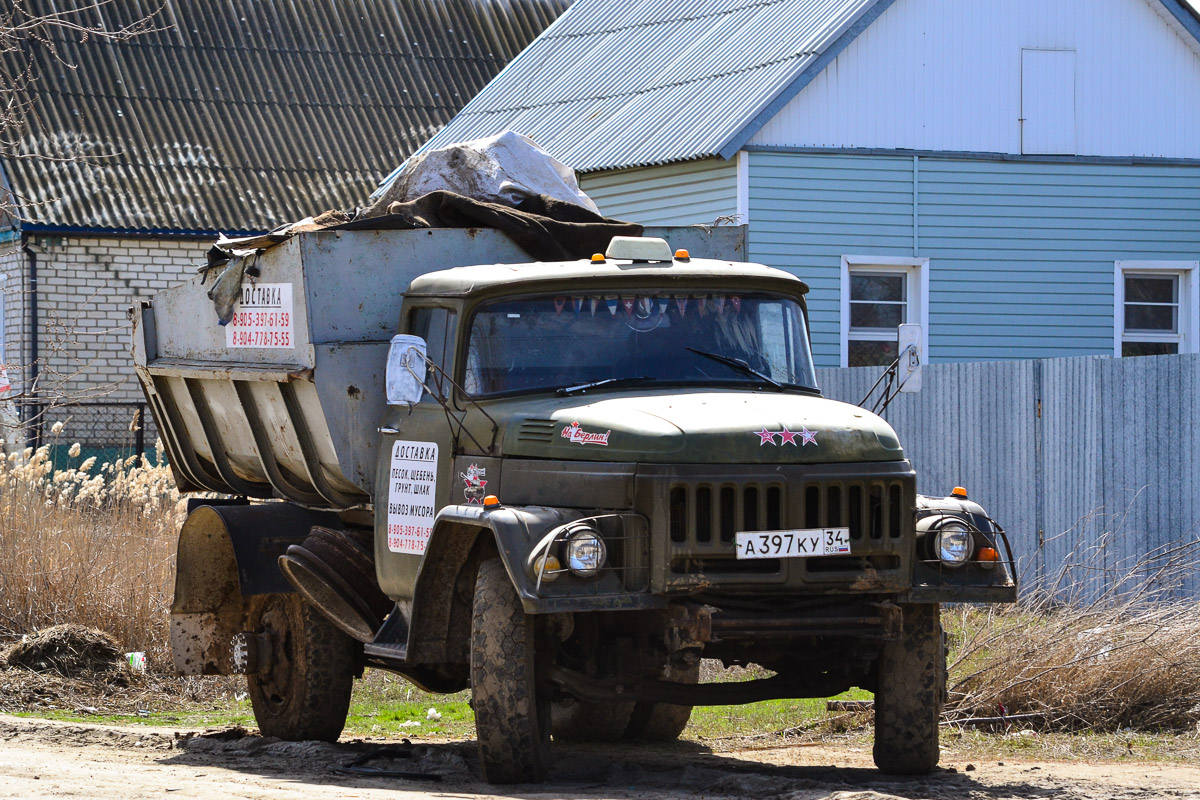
x: 511, y: 722
x: 305, y: 693
x: 908, y: 698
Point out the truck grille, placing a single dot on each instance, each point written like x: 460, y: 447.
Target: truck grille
x: 703, y: 513
x: 697, y: 511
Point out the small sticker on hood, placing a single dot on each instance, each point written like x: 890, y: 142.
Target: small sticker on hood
x: 574, y: 433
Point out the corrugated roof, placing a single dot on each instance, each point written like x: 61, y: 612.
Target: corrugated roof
x: 628, y: 83
x: 249, y: 113
x: 639, y: 82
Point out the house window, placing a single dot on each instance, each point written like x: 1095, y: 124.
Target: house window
x: 878, y: 295
x: 1155, y: 308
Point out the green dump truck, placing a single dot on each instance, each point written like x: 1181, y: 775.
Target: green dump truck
x: 561, y: 485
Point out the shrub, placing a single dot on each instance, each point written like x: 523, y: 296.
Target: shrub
x: 92, y: 543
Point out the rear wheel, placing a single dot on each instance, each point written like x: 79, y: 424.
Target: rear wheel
x: 512, y: 722
x: 305, y: 693
x: 584, y: 721
x: 908, y: 697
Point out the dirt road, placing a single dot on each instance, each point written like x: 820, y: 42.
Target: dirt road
x: 41, y: 759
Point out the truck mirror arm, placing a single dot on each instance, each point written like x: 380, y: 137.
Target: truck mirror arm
x: 457, y: 425
x: 889, y: 380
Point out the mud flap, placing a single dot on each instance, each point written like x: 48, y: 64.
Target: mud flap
x: 227, y: 553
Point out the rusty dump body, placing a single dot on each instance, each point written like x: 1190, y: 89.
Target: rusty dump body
x: 608, y: 469
x: 293, y: 422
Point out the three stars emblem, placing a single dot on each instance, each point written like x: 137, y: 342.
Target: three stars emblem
x: 787, y: 437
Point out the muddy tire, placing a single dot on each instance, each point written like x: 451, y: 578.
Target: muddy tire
x: 306, y: 692
x: 662, y: 722
x: 908, y: 698
x: 511, y: 722
x: 584, y: 721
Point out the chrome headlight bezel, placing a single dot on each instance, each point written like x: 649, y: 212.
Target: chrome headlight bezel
x: 584, y: 552
x: 953, y: 542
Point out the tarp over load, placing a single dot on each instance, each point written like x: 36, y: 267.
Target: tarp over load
x: 504, y: 182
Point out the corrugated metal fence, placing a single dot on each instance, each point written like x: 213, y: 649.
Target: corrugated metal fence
x: 1090, y: 464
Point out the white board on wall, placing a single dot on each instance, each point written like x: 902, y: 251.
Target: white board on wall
x: 1048, y: 102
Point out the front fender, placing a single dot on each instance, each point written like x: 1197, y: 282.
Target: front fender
x: 971, y: 582
x: 462, y: 536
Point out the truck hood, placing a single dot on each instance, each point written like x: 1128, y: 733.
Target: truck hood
x: 733, y: 427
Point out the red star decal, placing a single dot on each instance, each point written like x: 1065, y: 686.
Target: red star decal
x: 765, y: 436
x: 789, y: 437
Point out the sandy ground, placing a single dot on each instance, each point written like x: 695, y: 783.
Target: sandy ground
x: 43, y: 759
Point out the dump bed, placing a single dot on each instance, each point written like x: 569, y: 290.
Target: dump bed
x: 284, y: 401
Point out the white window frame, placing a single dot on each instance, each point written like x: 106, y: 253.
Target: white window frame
x: 1189, y: 302
x: 743, y: 187
x: 917, y: 272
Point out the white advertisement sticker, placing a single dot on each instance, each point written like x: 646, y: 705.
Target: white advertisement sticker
x: 412, y: 487
x: 262, y: 317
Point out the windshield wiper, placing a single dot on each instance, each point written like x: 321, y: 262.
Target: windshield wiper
x: 737, y: 364
x: 583, y: 387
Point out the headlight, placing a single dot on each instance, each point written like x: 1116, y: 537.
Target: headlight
x: 953, y: 543
x: 584, y: 552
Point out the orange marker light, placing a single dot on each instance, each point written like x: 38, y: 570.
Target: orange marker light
x: 958, y: 491
x: 598, y: 258
x: 682, y: 255
x: 491, y: 501
x: 988, y: 554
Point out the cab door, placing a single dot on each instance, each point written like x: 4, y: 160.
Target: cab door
x: 415, y: 458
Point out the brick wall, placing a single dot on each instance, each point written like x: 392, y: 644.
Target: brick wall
x: 85, y: 286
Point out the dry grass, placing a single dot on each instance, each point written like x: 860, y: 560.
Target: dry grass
x: 1105, y: 648
x: 1117, y: 650
x: 93, y: 544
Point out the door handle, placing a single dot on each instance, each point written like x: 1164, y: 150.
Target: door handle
x: 387, y: 430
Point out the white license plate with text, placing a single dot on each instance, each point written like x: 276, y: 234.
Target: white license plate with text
x: 793, y: 544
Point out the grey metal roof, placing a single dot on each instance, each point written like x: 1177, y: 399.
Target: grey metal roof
x: 628, y: 83
x: 622, y: 83
x: 245, y: 114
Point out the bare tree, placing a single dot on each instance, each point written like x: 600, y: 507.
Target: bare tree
x: 32, y: 34
x: 25, y: 33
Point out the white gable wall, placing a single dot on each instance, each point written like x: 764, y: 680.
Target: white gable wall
x: 946, y: 75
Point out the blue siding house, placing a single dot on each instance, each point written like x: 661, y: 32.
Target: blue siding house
x: 1023, y: 177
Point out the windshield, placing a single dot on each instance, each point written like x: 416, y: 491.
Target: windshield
x: 566, y: 343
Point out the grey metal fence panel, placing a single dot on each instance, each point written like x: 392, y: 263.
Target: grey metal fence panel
x: 1090, y: 464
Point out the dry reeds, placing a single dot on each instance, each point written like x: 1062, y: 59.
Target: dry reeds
x: 92, y: 543
x: 1119, y: 648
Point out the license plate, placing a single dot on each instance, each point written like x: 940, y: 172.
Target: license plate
x: 793, y: 544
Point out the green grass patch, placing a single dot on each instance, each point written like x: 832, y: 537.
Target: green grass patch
x: 388, y: 706
x: 224, y: 715
x: 766, y: 717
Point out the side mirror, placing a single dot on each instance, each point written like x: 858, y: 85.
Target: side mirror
x: 908, y: 371
x: 405, y: 370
